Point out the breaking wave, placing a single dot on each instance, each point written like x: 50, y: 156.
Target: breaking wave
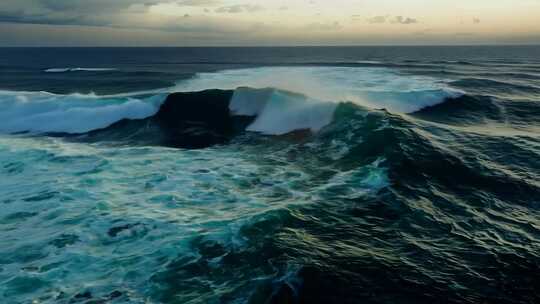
x: 308, y: 191
x: 371, y: 87
x: 41, y: 112
x: 284, y: 99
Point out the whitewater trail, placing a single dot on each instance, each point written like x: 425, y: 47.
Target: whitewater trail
x: 65, y: 70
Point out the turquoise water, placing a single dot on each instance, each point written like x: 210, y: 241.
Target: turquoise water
x: 411, y: 175
x: 79, y: 217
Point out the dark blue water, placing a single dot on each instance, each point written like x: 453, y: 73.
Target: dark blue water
x: 144, y: 68
x: 313, y: 175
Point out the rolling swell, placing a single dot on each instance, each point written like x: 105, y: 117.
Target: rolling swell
x: 202, y: 119
x: 450, y: 232
x: 463, y: 110
x: 437, y: 204
x: 211, y: 117
x: 399, y: 207
x: 396, y: 214
x: 496, y: 88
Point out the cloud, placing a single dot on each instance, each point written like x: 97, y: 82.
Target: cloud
x: 90, y: 6
x: 239, y: 8
x: 404, y: 20
x: 377, y: 19
x: 70, y: 12
x: 123, y: 14
x: 82, y: 12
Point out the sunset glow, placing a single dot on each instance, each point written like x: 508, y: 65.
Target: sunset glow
x: 257, y: 22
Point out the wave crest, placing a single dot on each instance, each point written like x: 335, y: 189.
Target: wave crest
x: 280, y: 112
x: 280, y: 99
x: 373, y: 87
x: 41, y: 112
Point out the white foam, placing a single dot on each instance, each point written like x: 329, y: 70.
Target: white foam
x: 369, y: 62
x: 368, y: 86
x: 250, y: 102
x: 279, y: 112
x: 64, y: 70
x: 57, y: 70
x: 76, y: 113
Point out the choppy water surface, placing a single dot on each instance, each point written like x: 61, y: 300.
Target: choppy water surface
x: 433, y: 199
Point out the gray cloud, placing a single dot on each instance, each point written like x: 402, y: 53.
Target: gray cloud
x: 239, y: 8
x: 404, y: 20
x: 81, y: 12
x: 120, y: 14
x: 69, y: 12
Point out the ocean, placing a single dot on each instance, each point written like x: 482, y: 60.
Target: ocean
x: 271, y: 175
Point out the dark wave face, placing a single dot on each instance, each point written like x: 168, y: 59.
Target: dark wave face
x: 332, y: 176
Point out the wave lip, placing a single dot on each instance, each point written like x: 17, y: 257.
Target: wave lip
x: 65, y: 70
x: 41, y: 112
x: 281, y: 112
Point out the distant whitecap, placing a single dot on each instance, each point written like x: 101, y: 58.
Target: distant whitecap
x: 65, y: 70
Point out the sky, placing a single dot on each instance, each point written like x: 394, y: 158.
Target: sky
x: 267, y: 23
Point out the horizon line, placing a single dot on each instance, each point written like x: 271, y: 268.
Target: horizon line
x: 276, y: 46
